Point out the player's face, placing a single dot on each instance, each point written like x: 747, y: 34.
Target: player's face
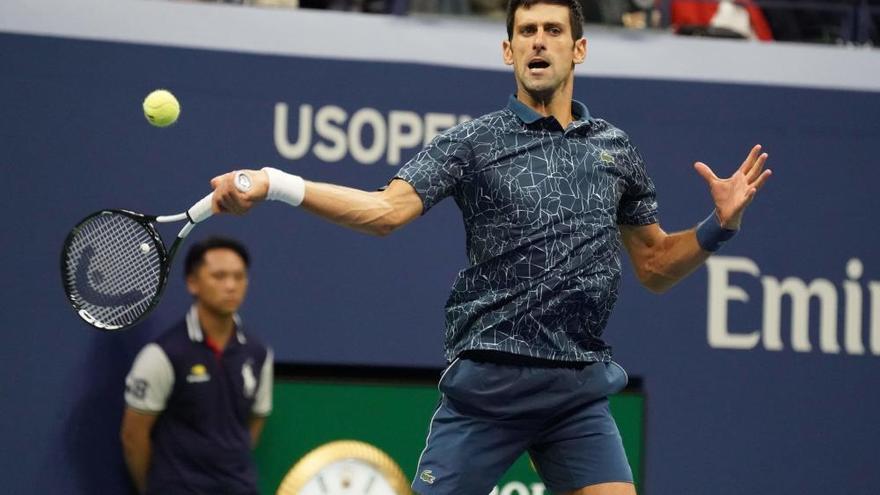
x: 542, y: 51
x: 220, y: 283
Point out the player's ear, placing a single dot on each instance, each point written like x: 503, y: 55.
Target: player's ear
x: 192, y: 285
x: 580, y: 50
x: 507, y: 52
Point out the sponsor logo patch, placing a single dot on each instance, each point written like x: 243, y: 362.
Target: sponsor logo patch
x: 198, y: 374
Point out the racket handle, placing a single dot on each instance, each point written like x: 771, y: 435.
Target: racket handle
x: 201, y: 211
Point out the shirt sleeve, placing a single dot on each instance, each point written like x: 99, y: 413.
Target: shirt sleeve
x: 638, y: 204
x: 436, y: 170
x: 150, y: 380
x: 263, y: 400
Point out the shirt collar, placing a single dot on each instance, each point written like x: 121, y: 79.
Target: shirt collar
x: 529, y: 116
x: 194, y: 328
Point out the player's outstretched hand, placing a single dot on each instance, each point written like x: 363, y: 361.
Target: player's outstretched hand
x: 230, y: 199
x: 732, y: 195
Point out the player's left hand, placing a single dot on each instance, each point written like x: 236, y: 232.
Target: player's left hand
x: 228, y: 199
x: 732, y: 195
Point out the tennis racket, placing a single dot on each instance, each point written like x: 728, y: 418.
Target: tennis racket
x: 114, y: 265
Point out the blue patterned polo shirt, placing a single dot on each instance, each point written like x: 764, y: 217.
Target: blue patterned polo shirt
x: 541, y: 205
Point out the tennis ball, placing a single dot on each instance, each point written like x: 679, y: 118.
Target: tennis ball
x: 161, y: 108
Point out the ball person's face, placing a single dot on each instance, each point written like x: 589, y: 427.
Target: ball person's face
x: 220, y: 283
x: 542, y: 51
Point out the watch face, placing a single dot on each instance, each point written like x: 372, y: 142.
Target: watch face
x: 345, y: 467
x: 348, y: 477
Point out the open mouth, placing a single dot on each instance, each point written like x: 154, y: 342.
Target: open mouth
x: 538, y: 64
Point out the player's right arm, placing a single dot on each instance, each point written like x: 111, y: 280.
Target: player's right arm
x: 136, y: 446
x: 147, y: 388
x: 376, y: 212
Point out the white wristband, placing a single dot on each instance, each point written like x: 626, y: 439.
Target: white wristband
x: 285, y: 187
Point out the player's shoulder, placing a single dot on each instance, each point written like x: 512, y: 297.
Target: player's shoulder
x: 498, y: 120
x: 152, y: 357
x: 613, y: 139
x: 471, y: 130
x: 175, y: 340
x: 252, y: 342
x: 174, y: 333
x: 606, y: 129
x: 494, y: 119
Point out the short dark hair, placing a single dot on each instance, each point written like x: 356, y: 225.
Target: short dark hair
x: 195, y: 257
x: 575, y: 14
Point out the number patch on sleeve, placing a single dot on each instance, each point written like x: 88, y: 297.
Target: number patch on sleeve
x: 137, y: 388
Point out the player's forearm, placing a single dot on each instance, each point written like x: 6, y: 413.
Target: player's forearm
x: 368, y: 212
x: 256, y: 428
x: 137, y: 450
x: 677, y: 256
x: 377, y: 213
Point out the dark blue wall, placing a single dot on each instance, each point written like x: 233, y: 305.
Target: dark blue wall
x: 720, y: 421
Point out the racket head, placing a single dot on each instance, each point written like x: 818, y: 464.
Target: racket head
x: 114, y: 267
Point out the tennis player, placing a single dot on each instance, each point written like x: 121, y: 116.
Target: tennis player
x: 548, y: 194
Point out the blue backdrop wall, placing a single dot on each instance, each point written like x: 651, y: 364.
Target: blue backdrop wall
x: 732, y: 408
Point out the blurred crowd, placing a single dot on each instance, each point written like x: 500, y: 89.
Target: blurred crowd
x: 850, y: 22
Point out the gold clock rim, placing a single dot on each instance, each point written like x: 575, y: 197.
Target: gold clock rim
x: 311, y: 463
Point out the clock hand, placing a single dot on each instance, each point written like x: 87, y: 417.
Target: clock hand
x: 369, y: 484
x: 322, y: 483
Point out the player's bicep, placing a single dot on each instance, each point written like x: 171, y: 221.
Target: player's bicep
x: 150, y: 380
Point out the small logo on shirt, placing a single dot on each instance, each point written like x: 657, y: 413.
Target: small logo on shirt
x: 606, y: 158
x: 198, y: 374
x: 427, y: 476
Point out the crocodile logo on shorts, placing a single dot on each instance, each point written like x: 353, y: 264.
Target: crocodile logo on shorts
x: 427, y: 476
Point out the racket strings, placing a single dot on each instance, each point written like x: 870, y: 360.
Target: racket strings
x: 113, y: 268
x: 127, y: 281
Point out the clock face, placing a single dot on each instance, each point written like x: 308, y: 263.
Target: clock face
x: 348, y: 477
x: 345, y: 467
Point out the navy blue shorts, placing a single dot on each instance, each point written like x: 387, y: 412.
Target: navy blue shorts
x: 491, y: 413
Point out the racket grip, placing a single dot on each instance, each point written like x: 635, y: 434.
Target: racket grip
x: 201, y: 211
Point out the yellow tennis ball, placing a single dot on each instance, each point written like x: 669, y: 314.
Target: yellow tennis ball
x: 161, y: 108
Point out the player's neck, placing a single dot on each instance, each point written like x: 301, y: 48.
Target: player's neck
x: 557, y: 104
x: 218, y: 327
